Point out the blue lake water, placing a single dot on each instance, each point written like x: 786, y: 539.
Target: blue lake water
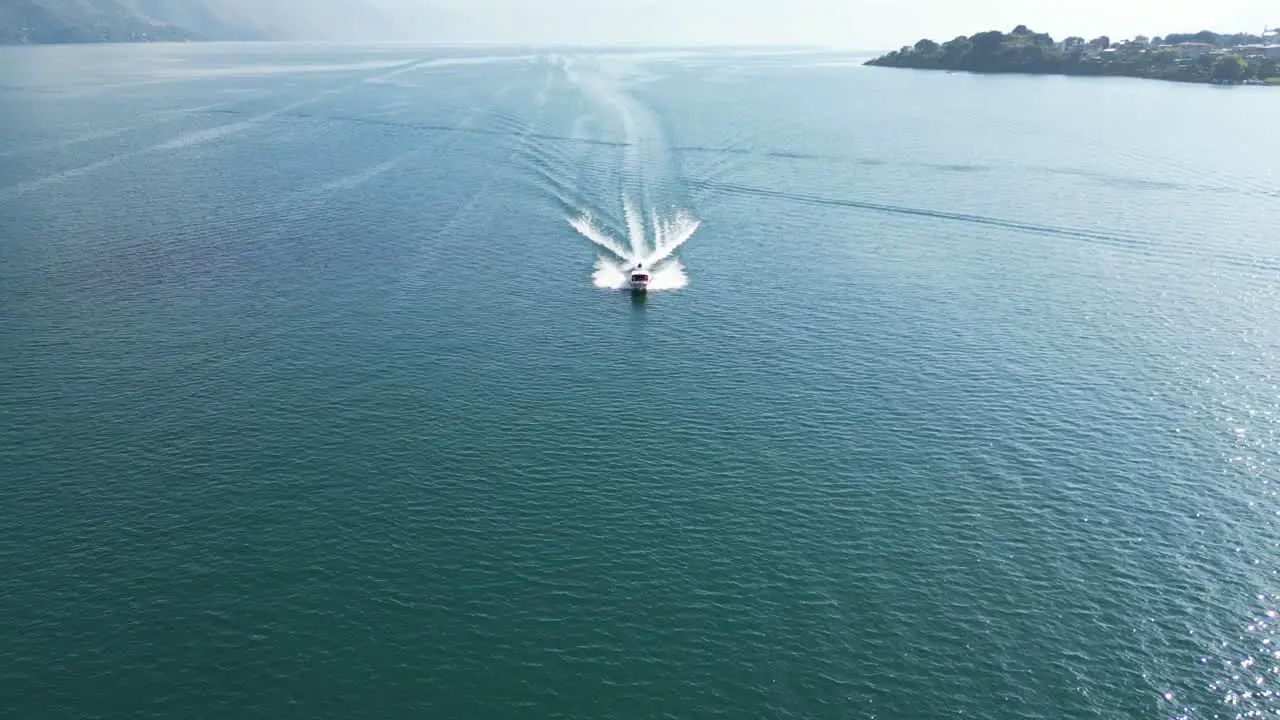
x: 310, y: 407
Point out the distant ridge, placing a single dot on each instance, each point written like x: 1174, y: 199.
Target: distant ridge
x: 95, y: 21
x: 82, y: 21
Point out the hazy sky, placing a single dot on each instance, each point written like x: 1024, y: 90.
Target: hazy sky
x: 869, y: 24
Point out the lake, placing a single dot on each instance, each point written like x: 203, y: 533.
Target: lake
x: 960, y: 399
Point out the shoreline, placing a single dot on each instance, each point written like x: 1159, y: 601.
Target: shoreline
x: 1200, y: 58
x: 1270, y: 82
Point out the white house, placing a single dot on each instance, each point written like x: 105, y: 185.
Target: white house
x: 1271, y: 51
x: 1193, y: 50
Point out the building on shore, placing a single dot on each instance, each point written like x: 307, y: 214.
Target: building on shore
x: 1193, y: 50
x: 1257, y: 51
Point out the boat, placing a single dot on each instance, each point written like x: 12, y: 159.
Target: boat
x: 639, y: 279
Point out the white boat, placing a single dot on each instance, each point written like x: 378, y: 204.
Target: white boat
x: 639, y: 279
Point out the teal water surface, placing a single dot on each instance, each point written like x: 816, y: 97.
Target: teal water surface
x: 309, y: 406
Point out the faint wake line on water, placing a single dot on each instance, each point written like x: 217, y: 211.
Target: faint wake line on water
x: 77, y: 140
x: 1189, y: 172
x: 202, y: 136
x: 463, y: 214
x: 1113, y: 240
x: 270, y: 225
x: 448, y: 62
x: 436, y: 127
x: 181, y: 141
x: 358, y: 178
x: 1218, y: 182
x: 271, y: 222
x: 354, y: 180
x: 106, y: 134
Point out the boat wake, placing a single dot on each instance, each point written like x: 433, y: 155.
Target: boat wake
x: 652, y: 246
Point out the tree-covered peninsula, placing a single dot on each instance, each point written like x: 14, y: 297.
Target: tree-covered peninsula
x: 1202, y: 57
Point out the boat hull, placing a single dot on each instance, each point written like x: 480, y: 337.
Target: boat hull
x: 639, y: 279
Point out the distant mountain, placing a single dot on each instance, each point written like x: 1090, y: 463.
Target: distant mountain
x: 273, y: 19
x: 80, y: 21
x: 208, y: 18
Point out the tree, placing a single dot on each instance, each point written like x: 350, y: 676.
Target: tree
x: 1229, y: 68
x: 1141, y: 40
x: 987, y: 46
x: 1021, y: 30
x: 987, y: 42
x: 1043, y: 40
x: 1030, y: 52
x: 955, y: 51
x: 926, y: 47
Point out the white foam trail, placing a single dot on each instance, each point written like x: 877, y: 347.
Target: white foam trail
x: 668, y: 276
x: 588, y: 229
x: 645, y: 163
x: 635, y: 228
x: 608, y: 275
x: 673, y: 235
x: 659, y: 231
